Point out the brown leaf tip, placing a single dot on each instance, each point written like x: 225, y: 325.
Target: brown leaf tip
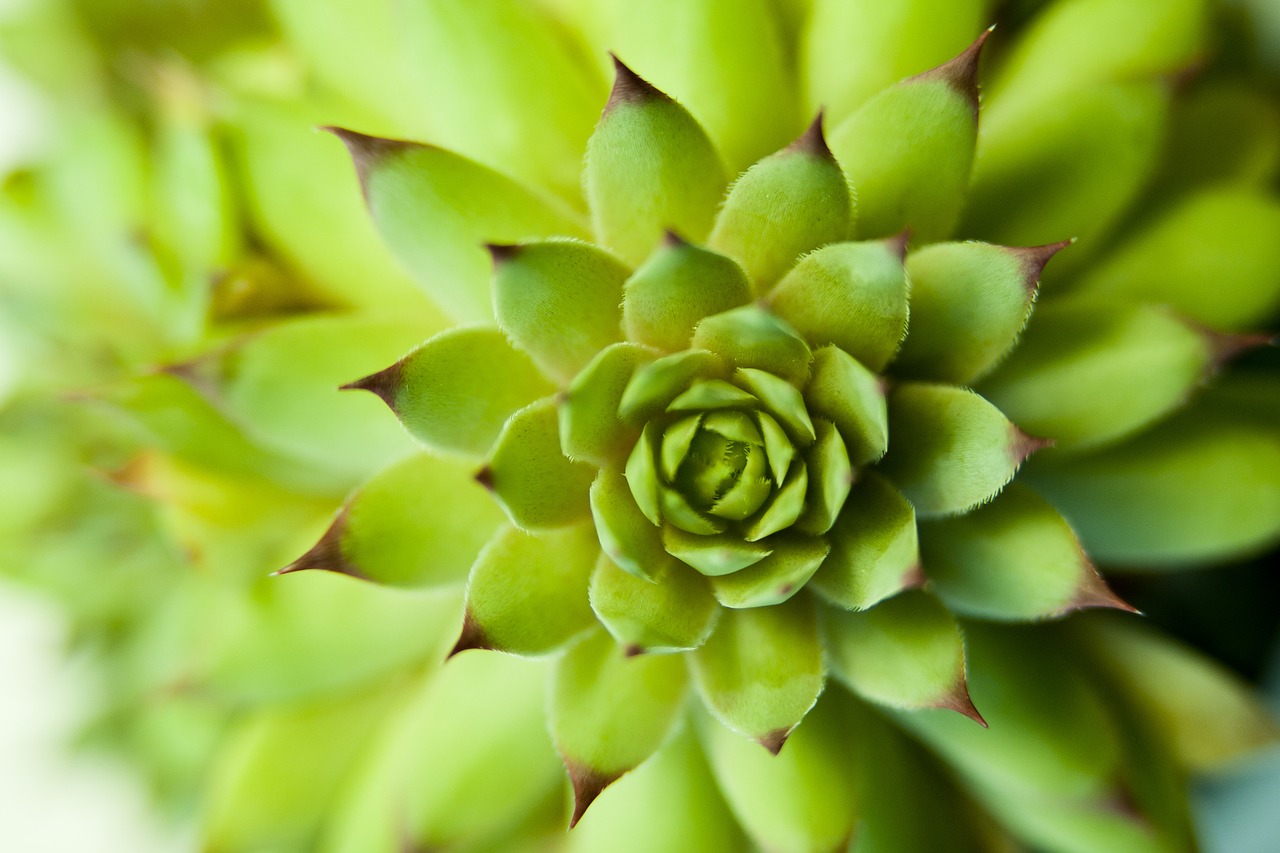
x: 962, y: 71
x: 629, y: 87
x: 1035, y: 258
x: 502, y: 252
x: 775, y: 740
x: 326, y: 555
x: 485, y: 478
x: 914, y: 577
x: 385, y: 384
x: 632, y: 650
x: 472, y: 636
x: 587, y: 785
x: 959, y: 700
x: 367, y: 151
x: 898, y: 244
x: 1226, y: 346
x: 813, y: 141
x: 1094, y: 592
x: 1024, y: 445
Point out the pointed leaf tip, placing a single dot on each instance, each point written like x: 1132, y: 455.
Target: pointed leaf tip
x: 587, y: 785
x: 367, y: 151
x: 775, y: 740
x: 384, y: 384
x: 671, y: 239
x: 1024, y: 445
x: 898, y: 244
x: 485, y: 477
x: 813, y: 141
x: 914, y: 577
x: 472, y: 636
x: 959, y: 700
x: 1094, y: 593
x: 1225, y: 347
x: 628, y: 87
x: 502, y: 252
x: 1035, y: 258
x: 962, y: 71
x: 326, y: 555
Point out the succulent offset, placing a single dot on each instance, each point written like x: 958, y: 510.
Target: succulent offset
x: 734, y: 436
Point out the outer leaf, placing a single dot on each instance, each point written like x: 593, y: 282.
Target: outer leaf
x: 952, y: 450
x: 874, y: 550
x: 1217, y: 474
x: 527, y: 593
x: 754, y: 337
x: 761, y: 670
x: 852, y: 397
x: 1089, y: 373
x: 1013, y: 559
x: 558, y: 300
x: 454, y: 392
x: 909, y: 150
x: 529, y: 474
x: 678, y: 286
x: 1218, y: 235
x: 437, y: 210
x: 801, y: 800
x: 674, y: 611
x: 610, y: 711
x: 852, y: 50
x: 676, y: 784
x: 787, y: 204
x: 649, y: 167
x: 590, y: 429
x: 853, y: 295
x: 906, y: 652
x: 382, y: 532
x: 969, y: 302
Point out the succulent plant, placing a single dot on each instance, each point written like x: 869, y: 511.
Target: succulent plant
x: 761, y: 451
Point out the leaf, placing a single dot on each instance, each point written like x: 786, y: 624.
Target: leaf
x: 558, y: 301
x: 761, y: 670
x: 713, y: 555
x: 609, y: 711
x: 788, y: 204
x: 909, y: 149
x: 674, y: 289
x: 774, y: 579
x: 650, y: 167
x: 1089, y: 373
x: 590, y: 429
x: 437, y: 210
x: 906, y: 652
x: 628, y: 537
x: 753, y: 337
x: 841, y: 390
x: 969, y: 303
x: 874, y: 550
x: 1216, y: 235
x: 527, y: 593
x: 382, y: 533
x: 830, y: 478
x: 655, y: 385
x: 529, y: 474
x: 853, y: 295
x: 952, y: 450
x: 1013, y: 559
x: 454, y: 392
x: 673, y: 611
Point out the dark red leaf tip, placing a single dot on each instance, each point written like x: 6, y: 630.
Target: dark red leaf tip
x: 1094, y: 592
x: 671, y: 239
x: 385, y: 384
x: 587, y: 785
x: 485, y: 477
x: 813, y: 141
x: 775, y: 740
x: 472, y: 636
x: 914, y: 577
x: 898, y: 244
x: 502, y: 252
x: 1024, y: 445
x: 959, y: 700
x: 1035, y: 258
x: 962, y: 71
x: 1226, y: 346
x: 326, y: 555
x: 367, y: 151
x: 629, y: 87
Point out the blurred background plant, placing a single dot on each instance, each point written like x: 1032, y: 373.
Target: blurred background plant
x: 174, y: 238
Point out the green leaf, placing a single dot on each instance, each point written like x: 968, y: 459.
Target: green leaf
x: 712, y: 556
x: 969, y: 303
x: 675, y: 288
x: 711, y: 394
x: 783, y: 507
x: 1217, y: 476
x: 558, y: 300
x: 642, y: 476
x: 673, y: 611
x: 732, y: 72
x: 655, y: 385
x: 850, y: 51
x: 781, y: 399
x: 874, y: 550
x: 590, y: 429
x: 761, y: 670
x: 1069, y: 168
x: 527, y: 593
x: 610, y: 710
x: 1013, y: 559
x: 906, y: 652
x: 1217, y: 235
x: 784, y: 206
x: 383, y: 535
x: 676, y: 784
x: 952, y: 450
x: 909, y: 150
x: 437, y: 210
x: 628, y: 538
x: 776, y: 578
x: 852, y: 397
x: 1088, y: 373
x: 751, y: 336
x: 529, y: 474
x: 650, y: 167
x: 1204, y: 713
x: 830, y: 479
x: 454, y: 392
x: 801, y: 800
x: 853, y: 295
